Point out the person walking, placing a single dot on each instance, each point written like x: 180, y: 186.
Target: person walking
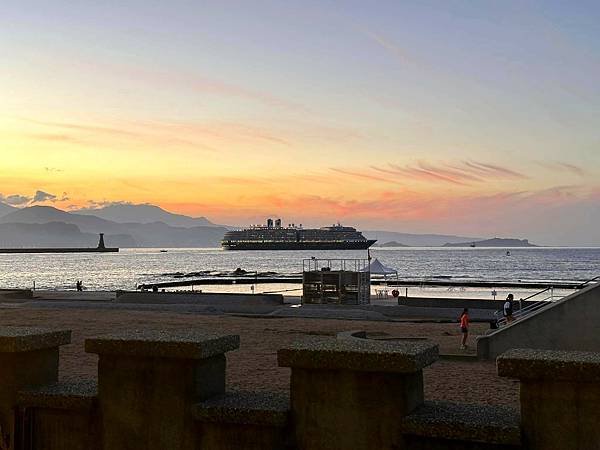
x: 507, y: 310
x: 464, y: 328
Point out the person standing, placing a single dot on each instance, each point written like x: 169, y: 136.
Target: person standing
x: 507, y: 310
x: 464, y: 328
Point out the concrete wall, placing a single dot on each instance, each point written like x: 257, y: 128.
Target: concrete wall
x: 199, y: 298
x: 435, y: 302
x: 572, y: 323
x: 15, y: 294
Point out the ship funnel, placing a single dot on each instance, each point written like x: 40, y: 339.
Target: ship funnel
x: 269, y: 223
x: 278, y: 223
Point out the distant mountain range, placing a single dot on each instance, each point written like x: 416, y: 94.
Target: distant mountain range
x: 127, y: 225
x: 5, y: 209
x: 55, y: 234
x: 126, y: 213
x: 55, y: 228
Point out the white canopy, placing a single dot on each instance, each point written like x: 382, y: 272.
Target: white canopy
x: 377, y: 268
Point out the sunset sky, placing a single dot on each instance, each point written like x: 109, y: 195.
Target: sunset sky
x: 477, y: 118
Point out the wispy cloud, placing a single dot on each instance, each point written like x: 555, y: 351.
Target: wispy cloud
x: 426, y: 172
x: 52, y: 137
x: 53, y: 169
x: 187, y: 134
x: 193, y: 82
x: 462, y: 174
x: 399, y: 53
x: 366, y: 176
x: 493, y: 170
x: 562, y: 167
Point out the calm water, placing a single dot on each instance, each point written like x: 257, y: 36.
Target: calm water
x: 130, y: 267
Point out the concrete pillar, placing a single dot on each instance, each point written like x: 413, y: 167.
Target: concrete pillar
x: 351, y: 394
x: 243, y: 420
x: 148, y: 382
x: 560, y: 397
x: 61, y: 416
x: 28, y: 357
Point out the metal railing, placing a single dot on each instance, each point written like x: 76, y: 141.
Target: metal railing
x: 539, y: 305
x: 585, y: 283
x: 536, y: 306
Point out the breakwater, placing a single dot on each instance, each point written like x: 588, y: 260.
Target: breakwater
x: 60, y: 250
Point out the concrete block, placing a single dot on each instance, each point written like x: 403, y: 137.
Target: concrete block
x: 352, y: 393
x: 62, y: 416
x: 28, y: 357
x: 485, y: 425
x: 184, y: 344
x: 26, y: 339
x: 243, y: 420
x: 149, y: 380
x: 362, y: 355
x: 560, y: 397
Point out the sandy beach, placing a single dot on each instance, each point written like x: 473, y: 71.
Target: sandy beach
x: 254, y: 365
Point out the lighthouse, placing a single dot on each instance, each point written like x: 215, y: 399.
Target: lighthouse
x: 101, y: 241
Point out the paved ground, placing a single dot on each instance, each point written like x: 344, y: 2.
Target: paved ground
x: 255, y: 364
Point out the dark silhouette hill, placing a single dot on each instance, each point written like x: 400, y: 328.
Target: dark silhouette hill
x: 83, y: 227
x: 391, y: 244
x: 495, y: 242
x: 54, y: 234
x: 144, y: 213
x: 159, y: 234
x: 45, y: 214
x: 5, y: 209
x: 416, y: 240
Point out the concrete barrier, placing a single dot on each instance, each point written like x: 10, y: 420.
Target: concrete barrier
x: 199, y: 298
x: 572, y: 323
x: 560, y: 397
x: 28, y: 357
x: 473, y: 303
x: 148, y: 382
x: 15, y: 294
x: 351, y: 393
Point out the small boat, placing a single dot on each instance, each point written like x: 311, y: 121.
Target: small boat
x: 164, y: 251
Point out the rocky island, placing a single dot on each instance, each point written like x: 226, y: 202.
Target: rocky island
x: 495, y: 242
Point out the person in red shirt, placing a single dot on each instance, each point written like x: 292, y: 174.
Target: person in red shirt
x: 464, y: 328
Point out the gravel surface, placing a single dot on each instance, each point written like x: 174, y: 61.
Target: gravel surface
x: 254, y: 365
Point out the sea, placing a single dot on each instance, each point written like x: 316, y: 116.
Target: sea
x: 131, y: 267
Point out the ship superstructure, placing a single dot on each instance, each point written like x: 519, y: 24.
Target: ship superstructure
x: 274, y: 236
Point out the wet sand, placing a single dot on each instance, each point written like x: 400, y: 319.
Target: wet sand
x: 254, y: 365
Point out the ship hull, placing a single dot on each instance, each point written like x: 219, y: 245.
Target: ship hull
x: 324, y: 245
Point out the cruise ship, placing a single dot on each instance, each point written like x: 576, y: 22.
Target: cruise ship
x: 274, y: 236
